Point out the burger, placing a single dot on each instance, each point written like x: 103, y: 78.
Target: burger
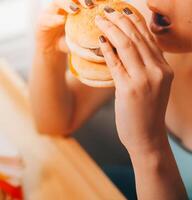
x: 82, y: 38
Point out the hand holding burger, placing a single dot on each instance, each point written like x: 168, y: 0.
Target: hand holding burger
x: 141, y: 75
x: 111, y: 45
x: 50, y: 34
x: 142, y: 80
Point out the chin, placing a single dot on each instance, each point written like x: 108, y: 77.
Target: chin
x: 171, y: 44
x: 168, y: 37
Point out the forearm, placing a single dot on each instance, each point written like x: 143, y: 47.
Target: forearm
x: 52, y: 101
x: 156, y: 173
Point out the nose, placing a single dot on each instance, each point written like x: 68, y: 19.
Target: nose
x: 157, y: 4
x: 152, y: 3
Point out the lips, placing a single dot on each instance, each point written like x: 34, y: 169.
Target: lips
x: 160, y: 24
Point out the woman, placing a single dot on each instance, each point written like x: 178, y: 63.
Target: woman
x: 142, y: 87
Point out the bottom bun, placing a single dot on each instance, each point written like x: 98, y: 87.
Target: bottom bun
x: 98, y: 84
x: 91, y: 83
x: 90, y: 70
x: 97, y: 75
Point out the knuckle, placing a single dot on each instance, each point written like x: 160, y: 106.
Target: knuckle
x: 164, y: 75
x: 116, y: 63
x: 125, y: 44
x: 144, y: 84
x: 119, y: 18
x: 132, y: 92
x: 136, y: 37
x: 128, y: 91
x: 124, y: 91
x: 109, y: 26
x: 160, y: 75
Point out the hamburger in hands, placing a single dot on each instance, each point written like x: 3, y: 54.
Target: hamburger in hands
x: 82, y: 37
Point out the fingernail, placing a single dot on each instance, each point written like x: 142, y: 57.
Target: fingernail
x: 127, y: 11
x: 102, y: 39
x: 74, y: 7
x: 89, y: 3
x: 114, y: 50
x: 108, y: 9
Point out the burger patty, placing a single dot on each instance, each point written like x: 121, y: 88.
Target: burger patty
x: 98, y: 52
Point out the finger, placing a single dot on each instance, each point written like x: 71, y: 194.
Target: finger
x: 124, y: 24
x: 116, y: 68
x: 87, y: 3
x: 48, y: 22
x: 59, y: 6
x: 141, y: 25
x: 125, y: 48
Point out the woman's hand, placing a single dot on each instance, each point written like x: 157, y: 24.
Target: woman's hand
x: 142, y: 79
x: 50, y: 34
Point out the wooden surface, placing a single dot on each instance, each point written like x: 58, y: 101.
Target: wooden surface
x: 55, y: 168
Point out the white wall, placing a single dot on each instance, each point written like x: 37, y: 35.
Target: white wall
x: 13, y: 18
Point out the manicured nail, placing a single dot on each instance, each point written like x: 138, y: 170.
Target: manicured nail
x: 108, y: 9
x: 102, y: 39
x: 74, y: 7
x: 89, y: 3
x: 114, y: 50
x: 127, y: 11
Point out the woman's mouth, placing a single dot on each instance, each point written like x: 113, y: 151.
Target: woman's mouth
x: 160, y: 24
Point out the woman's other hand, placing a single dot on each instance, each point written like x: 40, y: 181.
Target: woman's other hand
x: 50, y: 33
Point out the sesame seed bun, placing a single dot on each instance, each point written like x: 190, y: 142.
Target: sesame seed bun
x: 82, y: 39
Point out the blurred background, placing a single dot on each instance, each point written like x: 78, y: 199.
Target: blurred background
x: 17, y: 22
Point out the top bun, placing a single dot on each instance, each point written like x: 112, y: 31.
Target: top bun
x: 81, y: 28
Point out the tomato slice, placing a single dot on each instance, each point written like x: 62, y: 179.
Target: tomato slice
x: 14, y: 192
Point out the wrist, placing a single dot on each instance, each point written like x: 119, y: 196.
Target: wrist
x: 154, y: 149
x: 55, y: 60
x: 152, y: 157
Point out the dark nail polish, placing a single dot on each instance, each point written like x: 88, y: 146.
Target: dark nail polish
x: 114, y: 50
x: 102, y: 39
x: 108, y: 9
x: 74, y: 8
x: 127, y: 11
x: 89, y: 3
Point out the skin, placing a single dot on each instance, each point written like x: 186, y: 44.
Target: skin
x: 139, y: 87
x: 141, y: 76
x: 65, y: 94
x: 179, y: 112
